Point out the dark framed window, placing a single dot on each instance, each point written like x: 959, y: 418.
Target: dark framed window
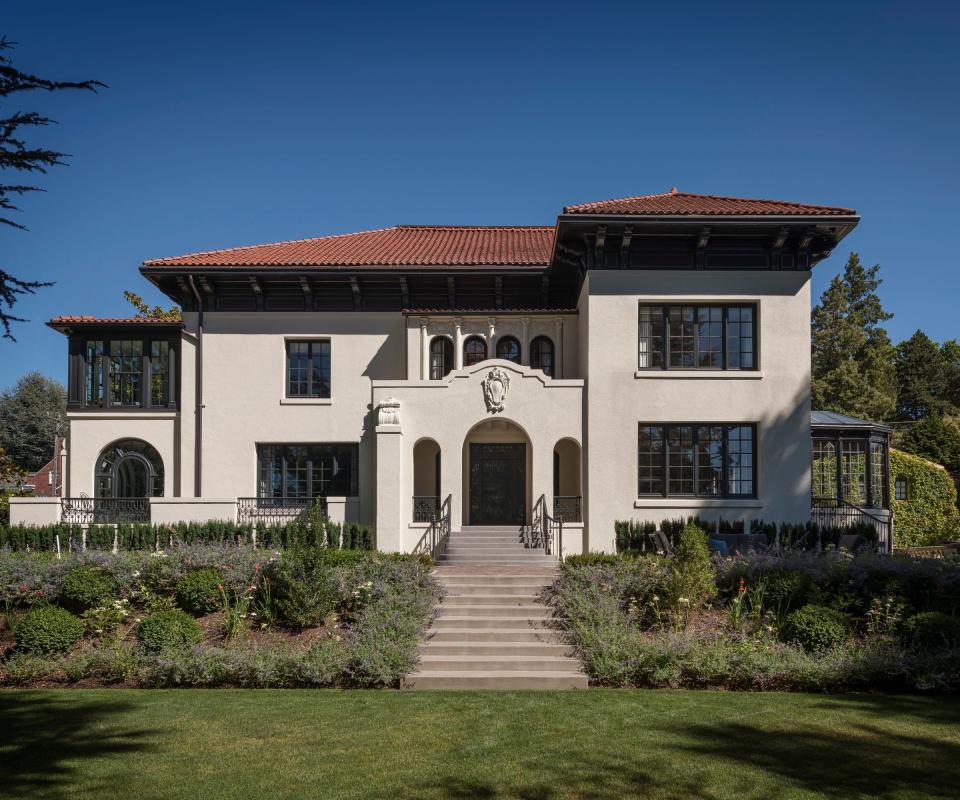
x: 308, y: 470
x: 441, y: 357
x: 717, y: 337
x: 697, y: 460
x: 129, y: 468
x: 541, y: 354
x: 508, y: 348
x: 901, y: 489
x: 474, y: 351
x: 122, y: 373
x: 308, y: 368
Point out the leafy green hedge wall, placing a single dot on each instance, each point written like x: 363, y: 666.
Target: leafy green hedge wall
x: 929, y: 515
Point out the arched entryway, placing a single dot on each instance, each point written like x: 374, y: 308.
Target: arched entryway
x: 567, y: 491
x: 497, y: 474
x: 426, y: 480
x: 129, y: 468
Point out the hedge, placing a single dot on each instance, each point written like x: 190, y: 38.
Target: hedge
x: 144, y: 536
x: 929, y: 514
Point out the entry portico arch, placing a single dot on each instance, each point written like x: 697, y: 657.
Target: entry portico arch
x: 497, y: 473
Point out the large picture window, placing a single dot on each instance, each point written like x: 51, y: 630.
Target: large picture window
x: 697, y: 460
x: 308, y: 369
x: 308, y: 470
x: 713, y: 337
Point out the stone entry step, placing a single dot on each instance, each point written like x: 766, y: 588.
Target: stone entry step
x: 491, y: 630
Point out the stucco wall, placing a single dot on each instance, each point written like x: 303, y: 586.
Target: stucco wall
x: 244, y: 364
x: 447, y: 411
x: 777, y: 397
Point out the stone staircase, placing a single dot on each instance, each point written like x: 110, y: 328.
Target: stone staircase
x: 491, y: 631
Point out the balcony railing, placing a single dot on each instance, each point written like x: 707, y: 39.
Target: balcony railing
x: 104, y: 510
x: 569, y: 508
x: 829, y: 512
x: 274, y: 510
x: 425, y: 508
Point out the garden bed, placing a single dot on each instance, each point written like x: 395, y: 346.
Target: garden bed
x: 774, y: 621
x: 213, y: 616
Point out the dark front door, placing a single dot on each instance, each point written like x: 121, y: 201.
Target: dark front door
x: 498, y: 480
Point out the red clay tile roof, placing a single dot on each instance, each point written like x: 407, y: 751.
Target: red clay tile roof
x: 402, y: 245
x: 676, y: 203
x: 85, y: 320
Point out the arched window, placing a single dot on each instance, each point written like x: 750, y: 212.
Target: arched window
x: 508, y: 348
x: 541, y: 355
x: 474, y: 351
x: 129, y: 468
x: 441, y: 357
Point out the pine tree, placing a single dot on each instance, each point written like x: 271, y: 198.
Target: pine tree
x: 921, y: 378
x: 17, y: 155
x: 951, y: 368
x: 853, y: 360
x: 935, y: 438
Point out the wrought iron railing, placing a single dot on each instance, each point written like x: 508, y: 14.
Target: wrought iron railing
x: 569, y: 508
x: 275, y: 510
x: 104, y: 510
x: 435, y: 538
x: 830, y: 512
x: 425, y: 508
x: 544, y: 531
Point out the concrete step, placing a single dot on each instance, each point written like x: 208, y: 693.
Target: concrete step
x: 529, y: 611
x: 488, y: 599
x: 500, y: 589
x: 482, y: 550
x: 471, y: 663
x: 494, y: 635
x: 451, y: 581
x: 505, y: 679
x: 458, y: 621
x: 488, y: 529
x: 518, y: 559
x: 507, y: 649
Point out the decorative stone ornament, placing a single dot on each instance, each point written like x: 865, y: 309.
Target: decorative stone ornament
x: 388, y: 412
x: 495, y: 388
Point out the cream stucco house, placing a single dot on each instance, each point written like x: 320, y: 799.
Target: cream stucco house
x: 640, y: 359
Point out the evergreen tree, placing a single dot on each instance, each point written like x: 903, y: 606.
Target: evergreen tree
x: 32, y: 414
x: 17, y: 155
x: 935, y: 438
x: 921, y: 378
x: 853, y: 360
x: 951, y: 368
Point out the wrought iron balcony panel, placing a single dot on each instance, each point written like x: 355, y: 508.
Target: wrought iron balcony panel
x: 275, y: 510
x: 104, y: 510
x: 425, y: 508
x: 568, y: 508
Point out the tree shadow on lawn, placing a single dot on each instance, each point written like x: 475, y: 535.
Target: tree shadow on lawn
x: 44, y: 739
x: 872, y: 752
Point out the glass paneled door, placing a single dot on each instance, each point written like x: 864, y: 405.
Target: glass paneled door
x: 498, y: 480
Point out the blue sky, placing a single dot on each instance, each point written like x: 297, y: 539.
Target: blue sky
x: 239, y: 123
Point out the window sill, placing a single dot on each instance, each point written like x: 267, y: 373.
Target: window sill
x: 306, y: 401
x: 121, y: 412
x: 706, y: 374
x: 696, y: 502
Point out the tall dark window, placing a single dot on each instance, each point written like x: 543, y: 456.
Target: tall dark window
x: 508, y: 348
x: 474, y: 351
x: 441, y: 357
x: 308, y: 369
x: 901, y: 490
x: 701, y: 460
x: 122, y: 373
x: 93, y: 373
x: 126, y: 373
x: 541, y: 355
x: 696, y: 337
x: 129, y: 468
x: 308, y: 470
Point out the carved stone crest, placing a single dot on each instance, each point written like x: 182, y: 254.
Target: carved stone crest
x: 388, y: 412
x: 495, y: 388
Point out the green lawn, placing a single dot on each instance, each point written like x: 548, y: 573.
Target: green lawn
x: 276, y: 744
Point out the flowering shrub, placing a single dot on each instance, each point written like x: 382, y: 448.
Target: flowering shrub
x: 107, y: 618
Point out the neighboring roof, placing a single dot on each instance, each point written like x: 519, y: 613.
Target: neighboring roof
x: 830, y: 419
x: 676, y: 203
x: 402, y: 245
